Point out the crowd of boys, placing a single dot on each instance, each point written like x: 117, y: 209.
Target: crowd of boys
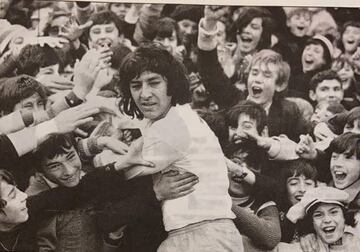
x: 162, y: 127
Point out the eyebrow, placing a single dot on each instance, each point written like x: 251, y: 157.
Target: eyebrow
x: 11, y: 191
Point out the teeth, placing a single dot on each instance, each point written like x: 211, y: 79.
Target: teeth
x: 329, y: 229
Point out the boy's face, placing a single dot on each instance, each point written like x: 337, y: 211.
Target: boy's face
x: 57, y: 24
x: 187, y: 29
x: 170, y: 43
x: 297, y: 186
x: 312, y: 57
x: 149, y: 92
x: 103, y: 34
x: 329, y: 222
x: 245, y: 124
x: 346, y: 73
x: 262, y: 83
x: 237, y: 187
x: 351, y: 38
x: 33, y: 103
x: 344, y: 170
x: 249, y: 38
x: 4, y: 6
x: 353, y: 127
x: 327, y: 91
x: 15, y: 211
x: 120, y: 9
x: 299, y: 23
x: 63, y: 169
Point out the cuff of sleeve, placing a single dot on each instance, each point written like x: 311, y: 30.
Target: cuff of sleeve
x: 23, y: 141
x: 89, y: 147
x: 75, y: 98
x: 45, y: 129
x: 206, y: 40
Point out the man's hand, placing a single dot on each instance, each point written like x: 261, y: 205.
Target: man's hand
x: 306, y: 148
x: 212, y: 15
x: 68, y: 120
x: 173, y: 185
x: 309, y: 243
x: 87, y: 69
x: 133, y: 157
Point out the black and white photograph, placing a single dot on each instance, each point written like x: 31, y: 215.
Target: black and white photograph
x: 179, y: 126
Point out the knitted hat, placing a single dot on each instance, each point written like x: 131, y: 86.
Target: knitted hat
x: 190, y: 12
x: 9, y: 32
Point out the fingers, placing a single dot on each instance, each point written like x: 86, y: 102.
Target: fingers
x: 80, y: 132
x: 184, y: 176
x: 190, y: 180
x: 184, y: 193
x: 83, y: 121
x: 117, y: 146
x: 86, y: 25
x: 170, y: 173
x: 189, y: 185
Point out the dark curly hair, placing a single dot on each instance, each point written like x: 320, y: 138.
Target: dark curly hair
x: 154, y: 58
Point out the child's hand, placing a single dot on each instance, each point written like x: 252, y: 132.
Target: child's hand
x: 212, y: 15
x: 72, y: 30
x: 306, y: 148
x: 86, y: 71
x: 173, y: 185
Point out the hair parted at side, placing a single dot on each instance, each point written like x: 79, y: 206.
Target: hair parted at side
x: 321, y: 76
x: 347, y: 144
x: 154, y: 58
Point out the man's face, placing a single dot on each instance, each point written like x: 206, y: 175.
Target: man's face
x: 344, y: 170
x: 351, y: 38
x: 329, y: 222
x: 63, y: 169
x: 312, y: 57
x: 170, y: 43
x: 15, y: 211
x: 296, y: 187
x: 249, y: 38
x: 33, y: 103
x: 4, y: 6
x: 103, y: 34
x: 353, y: 126
x: 262, y: 83
x: 245, y: 124
x: 299, y: 23
x: 187, y: 30
x: 120, y: 9
x: 149, y: 92
x: 327, y: 91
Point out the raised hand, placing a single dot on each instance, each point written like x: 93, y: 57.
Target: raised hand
x: 212, y: 15
x: 55, y: 83
x: 72, y: 30
x: 306, y: 147
x: 87, y: 69
x: 173, y: 185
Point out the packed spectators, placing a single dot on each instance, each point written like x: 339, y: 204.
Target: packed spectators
x: 162, y: 127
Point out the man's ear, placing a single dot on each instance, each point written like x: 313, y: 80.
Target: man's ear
x: 312, y: 95
x: 265, y: 132
x: 279, y: 87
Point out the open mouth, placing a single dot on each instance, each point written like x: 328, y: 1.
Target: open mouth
x: 299, y: 197
x: 246, y: 39
x: 70, y: 179
x: 301, y: 28
x: 329, y: 230
x: 237, y: 179
x: 309, y: 61
x: 339, y: 175
x: 350, y: 42
x: 105, y: 42
x: 256, y: 90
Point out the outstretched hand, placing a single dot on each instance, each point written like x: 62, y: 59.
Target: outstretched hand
x: 72, y: 30
x: 212, y: 15
x: 306, y: 147
x: 87, y: 69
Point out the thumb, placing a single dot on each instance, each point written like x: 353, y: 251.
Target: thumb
x: 143, y: 162
x: 86, y: 25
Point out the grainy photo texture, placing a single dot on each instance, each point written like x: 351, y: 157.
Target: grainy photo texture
x: 153, y: 127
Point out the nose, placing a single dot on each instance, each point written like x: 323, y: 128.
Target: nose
x: 145, y: 92
x: 166, y: 42
x: 68, y: 169
x: 22, y: 195
x: 327, y: 218
x: 302, y: 187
